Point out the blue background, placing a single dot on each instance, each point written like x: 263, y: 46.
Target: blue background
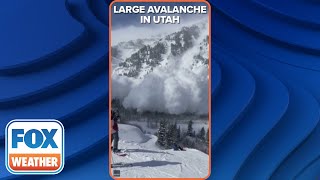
x: 266, y: 102
x: 265, y: 84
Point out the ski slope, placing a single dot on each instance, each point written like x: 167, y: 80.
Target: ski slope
x: 146, y: 160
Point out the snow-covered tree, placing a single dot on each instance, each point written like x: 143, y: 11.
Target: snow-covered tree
x: 178, y: 134
x: 190, y: 128
x: 169, y: 137
x: 162, y: 133
x: 207, y: 137
x: 202, y: 134
x: 175, y: 132
x: 172, y: 135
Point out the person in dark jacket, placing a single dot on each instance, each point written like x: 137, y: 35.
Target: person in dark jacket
x: 178, y: 147
x: 115, y: 118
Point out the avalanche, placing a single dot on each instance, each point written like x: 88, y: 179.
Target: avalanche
x: 175, y: 70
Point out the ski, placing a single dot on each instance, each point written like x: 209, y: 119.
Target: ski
x: 116, y: 165
x: 121, y: 154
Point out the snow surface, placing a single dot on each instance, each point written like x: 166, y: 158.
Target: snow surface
x: 146, y: 160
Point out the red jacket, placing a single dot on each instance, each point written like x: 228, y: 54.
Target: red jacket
x: 114, y: 123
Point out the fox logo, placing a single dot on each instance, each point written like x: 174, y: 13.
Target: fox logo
x: 34, y: 146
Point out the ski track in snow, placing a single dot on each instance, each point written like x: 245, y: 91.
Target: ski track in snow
x: 146, y: 160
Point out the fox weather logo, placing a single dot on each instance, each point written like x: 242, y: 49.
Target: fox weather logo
x: 34, y: 146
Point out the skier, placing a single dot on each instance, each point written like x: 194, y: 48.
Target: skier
x: 115, y: 117
x: 177, y: 147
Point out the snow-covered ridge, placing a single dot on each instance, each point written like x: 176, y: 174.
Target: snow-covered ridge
x: 146, y: 160
x: 137, y: 58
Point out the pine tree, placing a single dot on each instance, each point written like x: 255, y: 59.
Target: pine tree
x: 169, y: 137
x: 162, y: 132
x: 190, y: 129
x: 207, y: 136
x: 172, y: 135
x: 178, y: 134
x: 202, y: 134
x: 175, y: 133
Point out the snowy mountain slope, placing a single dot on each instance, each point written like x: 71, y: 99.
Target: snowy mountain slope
x: 124, y: 50
x: 145, y: 160
x: 137, y: 58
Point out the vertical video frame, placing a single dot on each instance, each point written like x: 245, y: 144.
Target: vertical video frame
x: 159, y: 89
